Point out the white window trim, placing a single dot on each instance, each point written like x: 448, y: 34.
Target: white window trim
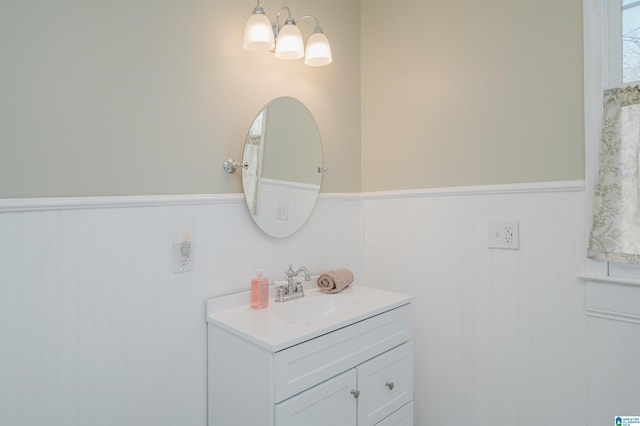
x: 593, y: 26
x: 594, y: 77
x: 612, y: 43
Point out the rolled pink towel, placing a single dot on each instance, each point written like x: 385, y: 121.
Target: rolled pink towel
x: 335, y: 281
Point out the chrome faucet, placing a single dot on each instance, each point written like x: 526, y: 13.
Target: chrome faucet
x: 293, y: 289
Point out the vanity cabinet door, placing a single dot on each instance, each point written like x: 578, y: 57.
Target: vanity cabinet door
x: 385, y: 383
x: 329, y: 403
x: 402, y: 417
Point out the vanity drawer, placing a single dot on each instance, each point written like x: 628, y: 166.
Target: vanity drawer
x: 302, y: 366
x: 385, y: 384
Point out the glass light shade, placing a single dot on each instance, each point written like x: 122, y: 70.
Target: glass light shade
x: 318, y: 50
x: 258, y: 33
x: 289, y: 44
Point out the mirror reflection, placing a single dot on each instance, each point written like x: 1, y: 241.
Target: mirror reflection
x: 283, y: 154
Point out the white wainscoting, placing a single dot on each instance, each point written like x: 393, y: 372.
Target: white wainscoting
x: 500, y: 336
x: 613, y: 310
x: 95, y: 329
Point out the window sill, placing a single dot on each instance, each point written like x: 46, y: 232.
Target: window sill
x: 610, y: 280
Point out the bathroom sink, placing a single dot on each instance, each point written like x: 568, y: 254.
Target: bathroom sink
x: 316, y: 307
x: 285, y: 324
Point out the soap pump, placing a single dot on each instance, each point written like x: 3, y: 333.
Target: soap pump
x: 259, y: 291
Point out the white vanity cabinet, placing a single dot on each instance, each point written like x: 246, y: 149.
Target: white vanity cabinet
x: 364, y: 395
x: 353, y: 370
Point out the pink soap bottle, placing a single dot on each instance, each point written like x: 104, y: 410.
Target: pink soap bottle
x: 259, y: 291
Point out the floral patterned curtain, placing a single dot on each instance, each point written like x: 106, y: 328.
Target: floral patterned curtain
x: 615, y: 232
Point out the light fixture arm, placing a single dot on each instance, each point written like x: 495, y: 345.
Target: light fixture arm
x: 258, y: 9
x: 289, y: 20
x: 317, y: 29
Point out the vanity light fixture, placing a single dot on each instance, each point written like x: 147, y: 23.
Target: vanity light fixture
x: 261, y: 36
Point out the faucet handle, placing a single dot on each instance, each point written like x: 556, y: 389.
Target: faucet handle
x: 280, y: 295
x: 290, y: 273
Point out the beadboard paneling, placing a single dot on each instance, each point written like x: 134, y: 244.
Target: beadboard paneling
x: 95, y: 329
x: 500, y: 335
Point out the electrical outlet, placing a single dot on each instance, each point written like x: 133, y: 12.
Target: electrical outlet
x: 182, y: 257
x: 504, y: 235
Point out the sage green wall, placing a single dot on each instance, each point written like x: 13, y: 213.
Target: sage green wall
x: 123, y: 97
x: 469, y: 92
x: 126, y: 97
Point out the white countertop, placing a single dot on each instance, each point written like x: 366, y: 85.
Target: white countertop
x: 269, y: 329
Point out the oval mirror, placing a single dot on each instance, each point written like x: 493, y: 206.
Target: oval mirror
x: 283, y: 172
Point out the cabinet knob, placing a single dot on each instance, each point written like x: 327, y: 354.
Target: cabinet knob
x: 355, y: 393
x: 389, y: 385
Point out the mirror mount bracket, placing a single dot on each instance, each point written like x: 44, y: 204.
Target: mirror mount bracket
x: 231, y: 165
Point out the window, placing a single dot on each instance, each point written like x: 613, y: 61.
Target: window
x: 612, y: 59
x: 630, y: 41
x: 623, y: 42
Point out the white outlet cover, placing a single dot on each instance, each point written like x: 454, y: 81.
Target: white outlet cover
x: 504, y: 235
x: 179, y: 262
